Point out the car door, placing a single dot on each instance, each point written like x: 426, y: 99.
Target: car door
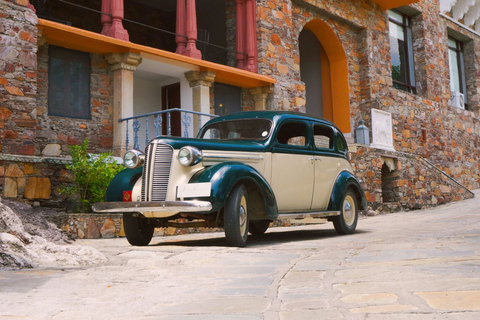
x: 328, y: 165
x: 292, y: 167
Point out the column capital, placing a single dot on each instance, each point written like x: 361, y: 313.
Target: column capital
x: 257, y: 92
x: 126, y: 61
x: 200, y: 78
x: 260, y: 95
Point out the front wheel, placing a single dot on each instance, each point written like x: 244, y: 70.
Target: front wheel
x: 236, y: 217
x: 139, y: 231
x: 346, y: 222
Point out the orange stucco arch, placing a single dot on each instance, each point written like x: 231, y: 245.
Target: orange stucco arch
x: 336, y: 101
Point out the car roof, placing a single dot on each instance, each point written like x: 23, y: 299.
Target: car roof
x: 272, y: 115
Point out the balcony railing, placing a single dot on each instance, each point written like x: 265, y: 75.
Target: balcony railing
x: 163, y: 123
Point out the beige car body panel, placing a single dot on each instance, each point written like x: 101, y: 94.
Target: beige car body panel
x: 292, y: 188
x: 327, y: 170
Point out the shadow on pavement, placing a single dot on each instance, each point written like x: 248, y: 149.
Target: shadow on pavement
x: 270, y: 238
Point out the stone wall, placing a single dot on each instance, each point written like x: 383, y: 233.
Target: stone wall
x: 396, y: 181
x: 18, y: 77
x: 33, y: 179
x: 26, y: 129
x: 423, y: 123
x: 56, y: 134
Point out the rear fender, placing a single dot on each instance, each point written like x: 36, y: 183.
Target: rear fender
x: 346, y: 180
x: 224, y: 176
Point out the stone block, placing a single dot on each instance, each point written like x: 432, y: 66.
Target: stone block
x: 28, y: 168
x: 10, y: 188
x: 92, y: 231
x: 38, y: 188
x: 52, y: 150
x: 14, y: 171
x: 25, y: 123
x: 108, y: 229
x: 14, y: 90
x: 5, y: 114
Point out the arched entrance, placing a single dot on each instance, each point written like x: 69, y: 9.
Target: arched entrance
x: 324, y: 70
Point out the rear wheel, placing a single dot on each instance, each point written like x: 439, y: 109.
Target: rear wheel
x: 346, y: 222
x: 139, y: 231
x: 236, y: 217
x: 258, y: 227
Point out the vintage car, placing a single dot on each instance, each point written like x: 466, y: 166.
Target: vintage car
x: 242, y: 172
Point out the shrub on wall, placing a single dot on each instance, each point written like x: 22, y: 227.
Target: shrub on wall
x: 91, y: 176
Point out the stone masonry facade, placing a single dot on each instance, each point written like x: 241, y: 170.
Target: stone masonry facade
x: 425, y: 127
x: 34, y: 146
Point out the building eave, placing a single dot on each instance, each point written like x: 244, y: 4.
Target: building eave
x: 390, y: 4
x: 78, y: 39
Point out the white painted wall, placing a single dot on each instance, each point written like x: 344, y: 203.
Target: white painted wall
x: 147, y: 97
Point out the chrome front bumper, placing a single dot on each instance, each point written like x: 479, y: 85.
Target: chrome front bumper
x: 153, y: 209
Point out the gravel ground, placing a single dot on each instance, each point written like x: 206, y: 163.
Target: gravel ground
x: 29, y: 239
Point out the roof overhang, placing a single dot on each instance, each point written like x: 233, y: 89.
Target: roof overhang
x: 390, y: 4
x: 87, y: 41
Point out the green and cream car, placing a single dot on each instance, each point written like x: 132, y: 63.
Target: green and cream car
x: 242, y: 172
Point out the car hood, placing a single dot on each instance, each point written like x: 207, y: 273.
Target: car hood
x: 209, y: 144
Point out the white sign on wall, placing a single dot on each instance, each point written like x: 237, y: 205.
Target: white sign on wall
x: 382, y: 136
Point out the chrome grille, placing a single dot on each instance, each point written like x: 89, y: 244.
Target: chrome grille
x: 144, y: 173
x: 156, y: 173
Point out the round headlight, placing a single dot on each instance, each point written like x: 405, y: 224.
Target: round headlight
x: 189, y: 156
x: 133, y: 159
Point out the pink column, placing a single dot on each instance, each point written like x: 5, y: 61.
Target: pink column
x: 116, y: 30
x: 106, y: 18
x: 251, y: 36
x: 192, y: 50
x: 30, y: 6
x: 180, y: 27
x: 240, y: 34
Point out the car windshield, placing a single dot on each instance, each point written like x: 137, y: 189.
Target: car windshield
x: 244, y: 129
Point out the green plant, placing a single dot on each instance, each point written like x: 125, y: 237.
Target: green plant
x: 91, y: 176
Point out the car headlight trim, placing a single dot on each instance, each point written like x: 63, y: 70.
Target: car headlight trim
x: 133, y: 159
x: 189, y: 156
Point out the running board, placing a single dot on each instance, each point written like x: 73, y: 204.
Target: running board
x: 308, y: 217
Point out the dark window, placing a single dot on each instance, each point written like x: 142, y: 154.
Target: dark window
x: 68, y: 83
x: 227, y: 99
x: 323, y: 137
x: 293, y: 133
x: 401, y: 50
x: 457, y: 67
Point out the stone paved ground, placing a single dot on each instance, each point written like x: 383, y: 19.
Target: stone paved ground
x: 409, y: 265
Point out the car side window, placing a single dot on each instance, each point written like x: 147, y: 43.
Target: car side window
x: 341, y: 146
x: 323, y: 137
x: 293, y: 134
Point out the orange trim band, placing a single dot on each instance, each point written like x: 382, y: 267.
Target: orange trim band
x: 390, y: 4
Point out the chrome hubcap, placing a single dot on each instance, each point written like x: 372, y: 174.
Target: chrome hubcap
x: 243, y: 216
x: 349, y: 210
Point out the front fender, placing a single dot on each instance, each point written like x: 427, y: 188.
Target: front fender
x: 224, y: 176
x: 344, y: 181
x: 123, y: 181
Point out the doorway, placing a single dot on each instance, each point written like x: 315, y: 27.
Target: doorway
x: 171, y: 100
x: 311, y: 71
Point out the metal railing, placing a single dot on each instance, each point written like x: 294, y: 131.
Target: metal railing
x: 157, y: 120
